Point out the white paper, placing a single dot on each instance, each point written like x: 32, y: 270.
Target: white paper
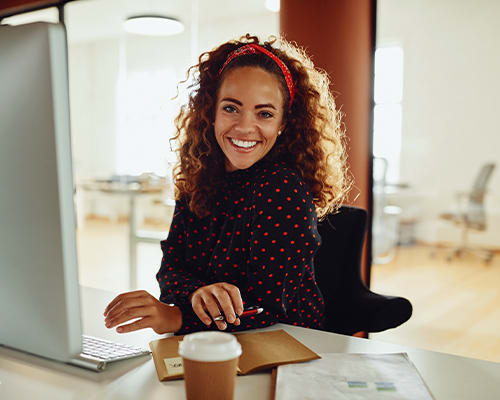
x: 174, y: 365
x: 352, y: 376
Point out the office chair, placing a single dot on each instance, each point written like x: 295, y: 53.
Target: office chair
x: 350, y: 306
x: 471, y: 215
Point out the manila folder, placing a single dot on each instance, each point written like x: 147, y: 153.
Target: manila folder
x: 260, y: 351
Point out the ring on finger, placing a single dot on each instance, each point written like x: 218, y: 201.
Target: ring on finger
x: 219, y: 317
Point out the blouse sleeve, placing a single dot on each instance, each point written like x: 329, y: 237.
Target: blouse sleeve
x: 284, y: 238
x: 177, y: 278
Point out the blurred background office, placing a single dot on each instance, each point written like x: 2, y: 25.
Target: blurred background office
x: 434, y: 214
x: 436, y: 190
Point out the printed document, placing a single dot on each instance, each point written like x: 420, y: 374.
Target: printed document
x: 352, y: 376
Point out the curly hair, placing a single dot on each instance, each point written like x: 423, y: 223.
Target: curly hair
x: 312, y: 141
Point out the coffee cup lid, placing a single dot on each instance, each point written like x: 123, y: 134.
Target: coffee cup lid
x: 209, y: 346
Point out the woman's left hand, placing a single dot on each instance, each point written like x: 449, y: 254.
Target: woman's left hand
x: 149, y: 312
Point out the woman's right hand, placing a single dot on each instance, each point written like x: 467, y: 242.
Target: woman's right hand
x: 210, y: 301
x: 144, y: 310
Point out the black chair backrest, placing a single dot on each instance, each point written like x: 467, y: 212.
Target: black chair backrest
x: 338, y: 260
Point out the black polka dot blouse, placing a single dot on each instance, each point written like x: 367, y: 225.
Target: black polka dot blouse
x: 261, y: 236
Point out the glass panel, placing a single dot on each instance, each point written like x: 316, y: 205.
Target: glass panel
x: 442, y: 205
x: 387, y: 137
x: 388, y: 75
x: 145, y: 115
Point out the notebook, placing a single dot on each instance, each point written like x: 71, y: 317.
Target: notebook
x: 261, y: 351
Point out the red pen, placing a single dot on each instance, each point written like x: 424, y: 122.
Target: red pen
x: 250, y: 311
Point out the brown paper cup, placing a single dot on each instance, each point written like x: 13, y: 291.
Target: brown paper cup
x: 210, y: 360
x: 210, y: 379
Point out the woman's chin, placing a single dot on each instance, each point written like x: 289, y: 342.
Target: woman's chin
x: 235, y: 165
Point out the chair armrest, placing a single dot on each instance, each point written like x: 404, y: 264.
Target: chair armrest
x: 367, y: 311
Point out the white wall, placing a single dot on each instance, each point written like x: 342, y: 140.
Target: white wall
x: 93, y: 71
x: 451, y: 104
x: 219, y: 30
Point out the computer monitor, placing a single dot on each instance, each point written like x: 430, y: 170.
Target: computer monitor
x: 39, y: 292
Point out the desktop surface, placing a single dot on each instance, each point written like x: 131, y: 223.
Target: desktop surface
x: 25, y: 376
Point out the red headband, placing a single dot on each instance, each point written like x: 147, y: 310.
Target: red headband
x: 253, y: 48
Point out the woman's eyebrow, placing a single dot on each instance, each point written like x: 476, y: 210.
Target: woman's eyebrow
x: 258, y: 106
x: 268, y: 105
x: 232, y: 100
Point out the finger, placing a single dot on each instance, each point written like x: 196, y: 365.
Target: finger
x: 134, y: 326
x: 225, y: 304
x: 200, y: 311
x: 120, y: 297
x: 127, y: 315
x: 125, y: 304
x: 236, y: 299
x: 213, y: 309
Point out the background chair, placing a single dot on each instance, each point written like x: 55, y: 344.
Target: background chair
x: 350, y: 306
x: 471, y: 215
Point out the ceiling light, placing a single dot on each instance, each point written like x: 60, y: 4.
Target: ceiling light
x: 153, y: 25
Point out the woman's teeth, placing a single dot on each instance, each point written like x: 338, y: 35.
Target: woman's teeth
x: 243, y: 143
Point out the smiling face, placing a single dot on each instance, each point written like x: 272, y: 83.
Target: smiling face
x: 248, y: 116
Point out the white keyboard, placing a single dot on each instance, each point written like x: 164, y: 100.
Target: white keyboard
x: 107, y: 351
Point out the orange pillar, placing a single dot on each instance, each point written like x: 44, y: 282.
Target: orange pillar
x: 340, y: 37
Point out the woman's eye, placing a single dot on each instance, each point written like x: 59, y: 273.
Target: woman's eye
x: 229, y: 108
x: 266, y: 114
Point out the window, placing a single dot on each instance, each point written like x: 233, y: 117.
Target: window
x: 388, y: 94
x: 146, y: 114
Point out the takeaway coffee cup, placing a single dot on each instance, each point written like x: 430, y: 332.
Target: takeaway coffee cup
x: 210, y: 360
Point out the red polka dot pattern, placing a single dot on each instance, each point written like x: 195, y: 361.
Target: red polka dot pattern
x: 261, y: 236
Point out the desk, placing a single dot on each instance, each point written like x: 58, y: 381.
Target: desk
x: 24, y: 376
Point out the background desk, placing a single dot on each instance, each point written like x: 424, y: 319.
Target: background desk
x: 24, y: 376
x: 132, y: 190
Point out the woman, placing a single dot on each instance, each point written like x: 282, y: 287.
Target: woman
x: 261, y: 157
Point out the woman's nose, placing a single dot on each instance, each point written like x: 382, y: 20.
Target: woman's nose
x: 246, y: 123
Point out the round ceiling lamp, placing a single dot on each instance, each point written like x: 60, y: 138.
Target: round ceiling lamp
x: 153, y: 25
